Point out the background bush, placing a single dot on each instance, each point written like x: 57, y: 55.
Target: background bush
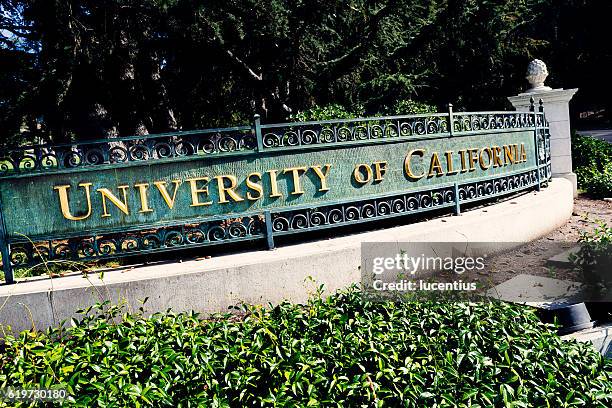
x: 335, y: 111
x: 327, y: 112
x: 597, y: 182
x: 594, y: 260
x: 337, y: 351
x: 408, y: 106
x: 587, y: 151
x: 592, y: 162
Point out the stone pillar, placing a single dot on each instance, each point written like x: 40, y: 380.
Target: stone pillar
x: 556, y: 108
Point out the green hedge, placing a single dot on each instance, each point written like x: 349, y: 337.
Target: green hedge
x: 338, y: 351
x: 327, y: 112
x: 594, y: 261
x: 592, y: 162
x: 336, y: 111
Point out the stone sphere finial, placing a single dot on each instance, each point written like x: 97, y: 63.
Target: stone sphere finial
x: 536, y: 75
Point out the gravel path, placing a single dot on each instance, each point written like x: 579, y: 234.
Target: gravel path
x: 531, y: 258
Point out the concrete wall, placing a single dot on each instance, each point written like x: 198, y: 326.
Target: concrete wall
x: 260, y: 277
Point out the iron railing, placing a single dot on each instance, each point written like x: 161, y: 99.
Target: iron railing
x: 42, y: 160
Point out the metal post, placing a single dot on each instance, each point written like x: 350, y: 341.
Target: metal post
x: 269, y: 233
x: 546, y: 140
x: 450, y: 119
x: 535, y: 139
x: 457, y: 204
x: 257, y: 128
x: 4, y: 250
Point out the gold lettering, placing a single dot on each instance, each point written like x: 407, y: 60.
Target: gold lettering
x: 161, y: 186
x: 358, y: 175
x: 473, y: 158
x: 480, y: 158
x: 517, y: 159
x: 227, y: 189
x: 273, y: 184
x: 497, y: 161
x: 121, y: 205
x: 62, y: 192
x: 195, y: 191
x: 380, y: 168
x: 434, y: 164
x: 449, y: 163
x: 462, y: 152
x: 523, y: 153
x: 254, y: 186
x: 144, y: 202
x: 508, y: 155
x: 408, y: 168
x: 297, y: 186
x: 322, y: 175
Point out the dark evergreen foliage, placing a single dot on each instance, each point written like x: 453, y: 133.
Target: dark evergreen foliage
x: 81, y: 69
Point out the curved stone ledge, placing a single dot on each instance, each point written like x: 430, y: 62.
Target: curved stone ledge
x: 260, y: 277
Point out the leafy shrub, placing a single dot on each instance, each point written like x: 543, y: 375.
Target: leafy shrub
x: 337, y: 351
x: 597, y: 182
x: 594, y: 258
x: 327, y: 112
x: 410, y: 107
x: 587, y: 151
x: 335, y: 111
x: 592, y: 160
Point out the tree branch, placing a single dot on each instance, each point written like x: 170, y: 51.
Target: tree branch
x: 243, y: 65
x: 338, y: 65
x: 230, y: 54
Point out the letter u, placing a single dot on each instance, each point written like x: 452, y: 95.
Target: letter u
x: 62, y: 191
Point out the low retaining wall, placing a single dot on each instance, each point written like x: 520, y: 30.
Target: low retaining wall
x: 260, y: 277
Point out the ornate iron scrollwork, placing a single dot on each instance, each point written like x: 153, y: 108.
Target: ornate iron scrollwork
x: 49, y: 158
x: 100, y: 246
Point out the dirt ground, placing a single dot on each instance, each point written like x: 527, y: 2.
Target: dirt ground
x: 532, y: 257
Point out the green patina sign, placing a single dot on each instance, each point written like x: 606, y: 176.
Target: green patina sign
x: 131, y: 196
x: 197, y: 188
